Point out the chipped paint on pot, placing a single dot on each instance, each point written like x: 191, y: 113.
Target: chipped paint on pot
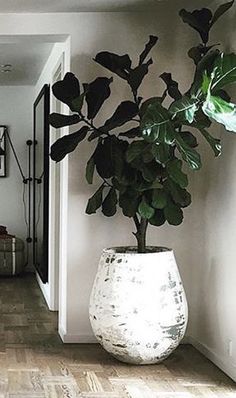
x: 138, y: 309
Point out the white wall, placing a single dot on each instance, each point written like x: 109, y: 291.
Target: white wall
x: 213, y: 326
x: 16, y: 113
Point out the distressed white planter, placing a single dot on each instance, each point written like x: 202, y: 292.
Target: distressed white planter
x: 138, y: 308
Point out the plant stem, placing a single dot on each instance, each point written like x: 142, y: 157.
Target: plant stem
x: 141, y: 233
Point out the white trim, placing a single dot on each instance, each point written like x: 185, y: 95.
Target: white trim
x: 44, y: 290
x: 76, y: 338
x: 224, y: 364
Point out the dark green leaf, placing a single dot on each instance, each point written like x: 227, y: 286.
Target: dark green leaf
x: 221, y: 111
x: 57, y: 120
x: 190, y: 155
x: 95, y: 201
x: 129, y: 202
x: 161, y: 152
x: 159, y: 199
x: 221, y: 10
x: 137, y: 75
x: 119, y: 64
x: 158, y: 219
x: 67, y: 90
x: 109, y: 204
x: 189, y: 138
x: 90, y: 170
x: 145, y: 210
x: 214, y: 142
x: 172, y: 86
x: 199, y: 20
x: 132, y: 133
x: 67, y: 144
x: 179, y: 195
x: 135, y: 149
x: 125, y: 112
x: 174, y: 170
x: 147, y: 186
x: 184, y: 108
x: 173, y: 214
x: 148, y: 102
x: 96, y: 94
x: 77, y: 103
x: 156, y: 125
x: 103, y: 158
x: 151, y: 43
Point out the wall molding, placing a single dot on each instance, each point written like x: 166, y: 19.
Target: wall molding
x: 225, y: 364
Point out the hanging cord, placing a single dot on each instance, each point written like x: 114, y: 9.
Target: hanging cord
x: 15, y: 155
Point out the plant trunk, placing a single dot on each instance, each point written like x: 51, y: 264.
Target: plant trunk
x: 141, y: 234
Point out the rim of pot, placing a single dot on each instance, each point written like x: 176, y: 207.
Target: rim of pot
x: 132, y: 250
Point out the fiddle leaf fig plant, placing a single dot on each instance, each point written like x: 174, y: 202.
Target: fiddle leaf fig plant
x: 142, y: 147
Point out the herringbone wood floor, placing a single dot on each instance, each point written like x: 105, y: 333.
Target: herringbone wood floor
x: 35, y: 364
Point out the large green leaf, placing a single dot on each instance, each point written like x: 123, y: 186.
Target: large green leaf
x: 158, y: 219
x: 67, y: 90
x: 145, y: 210
x: 96, y: 94
x: 224, y: 71
x: 119, y: 64
x: 221, y: 111
x: 221, y: 10
x: 189, y: 138
x: 179, y: 195
x: 90, y: 170
x: 125, y: 112
x: 137, y: 75
x: 95, y: 201
x: 135, y: 149
x: 174, y: 170
x: 156, y: 124
x: 129, y: 202
x: 199, y: 20
x: 173, y: 214
x: 184, y: 108
x: 190, y: 155
x: 161, y: 152
x: 67, y: 144
x: 159, y: 199
x: 109, y: 203
x: 58, y: 120
x: 213, y: 142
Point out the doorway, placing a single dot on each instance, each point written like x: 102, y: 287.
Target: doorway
x: 22, y: 90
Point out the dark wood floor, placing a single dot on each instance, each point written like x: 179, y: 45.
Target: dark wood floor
x: 35, y: 364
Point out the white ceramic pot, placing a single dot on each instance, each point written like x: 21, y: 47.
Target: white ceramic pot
x: 138, y: 308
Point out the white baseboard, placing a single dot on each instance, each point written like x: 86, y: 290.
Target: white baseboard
x: 224, y: 364
x: 76, y: 338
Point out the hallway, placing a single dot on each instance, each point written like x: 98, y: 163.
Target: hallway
x: 35, y: 364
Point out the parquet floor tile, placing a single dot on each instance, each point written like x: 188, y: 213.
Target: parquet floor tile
x: 34, y: 363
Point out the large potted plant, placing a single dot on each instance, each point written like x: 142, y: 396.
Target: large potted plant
x: 138, y: 308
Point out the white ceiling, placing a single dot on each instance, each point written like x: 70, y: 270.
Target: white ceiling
x: 27, y: 59
x: 34, y: 6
